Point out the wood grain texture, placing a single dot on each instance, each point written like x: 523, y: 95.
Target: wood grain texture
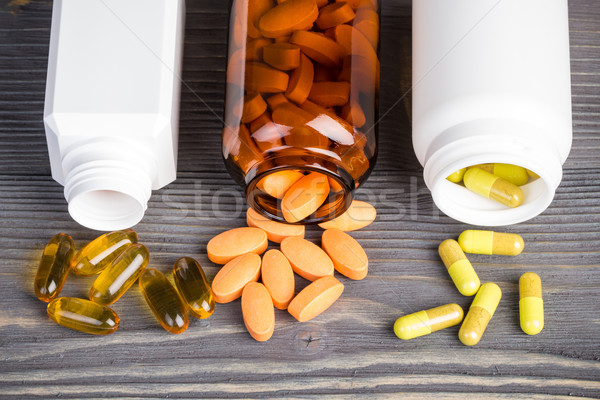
x: 348, y: 352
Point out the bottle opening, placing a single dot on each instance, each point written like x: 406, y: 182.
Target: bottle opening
x: 107, y: 195
x: 486, y: 149
x: 459, y: 201
x: 106, y: 210
x: 299, y: 193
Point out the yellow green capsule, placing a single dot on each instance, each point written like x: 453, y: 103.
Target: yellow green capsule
x: 490, y: 242
x: 100, y: 252
x: 480, y: 313
x: 114, y: 280
x: 460, y: 269
x: 531, y: 305
x: 425, y: 322
x: 83, y: 315
x: 493, y: 187
x: 457, y: 176
x: 194, y: 287
x: 509, y: 172
x: 164, y: 301
x: 54, y: 267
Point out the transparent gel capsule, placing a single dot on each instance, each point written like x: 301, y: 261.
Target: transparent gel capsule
x: 194, y: 287
x: 118, y: 277
x: 164, y: 301
x: 54, y: 267
x: 100, y: 252
x: 83, y: 315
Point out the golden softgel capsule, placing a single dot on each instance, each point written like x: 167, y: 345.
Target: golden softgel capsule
x: 531, y: 305
x: 479, y: 315
x: 114, y: 280
x: 425, y: 322
x: 490, y: 242
x: 457, y: 176
x: 83, y: 315
x: 194, y: 287
x: 164, y: 301
x: 54, y: 267
x: 493, y: 187
x: 100, y: 252
x: 509, y: 172
x: 459, y: 267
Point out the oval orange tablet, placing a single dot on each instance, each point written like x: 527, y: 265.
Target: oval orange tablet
x: 301, y: 80
x: 282, y: 56
x: 342, y: 34
x: 307, y: 259
x: 278, y: 277
x: 334, y: 14
x: 276, y: 231
x: 304, y: 136
x: 276, y: 100
x: 233, y: 276
x: 290, y: 115
x: 254, y: 48
x: 330, y: 94
x: 367, y: 22
x: 264, y: 79
x: 258, y: 311
x: 357, y: 216
x: 348, y: 256
x: 288, y: 16
x: 256, y: 9
x: 304, y: 197
x: 319, y: 47
x: 254, y: 107
x: 235, y: 242
x: 277, y: 183
x: 315, y: 298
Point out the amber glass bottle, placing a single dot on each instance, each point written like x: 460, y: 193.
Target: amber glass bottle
x: 300, y: 130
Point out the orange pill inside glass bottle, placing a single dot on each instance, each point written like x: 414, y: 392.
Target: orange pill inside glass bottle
x: 301, y: 104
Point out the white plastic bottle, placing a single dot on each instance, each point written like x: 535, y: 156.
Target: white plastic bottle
x: 112, y: 105
x: 491, y: 84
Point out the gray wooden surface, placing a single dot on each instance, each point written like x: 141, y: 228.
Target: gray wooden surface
x: 350, y: 351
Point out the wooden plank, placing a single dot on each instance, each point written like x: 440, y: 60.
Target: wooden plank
x: 348, y: 352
